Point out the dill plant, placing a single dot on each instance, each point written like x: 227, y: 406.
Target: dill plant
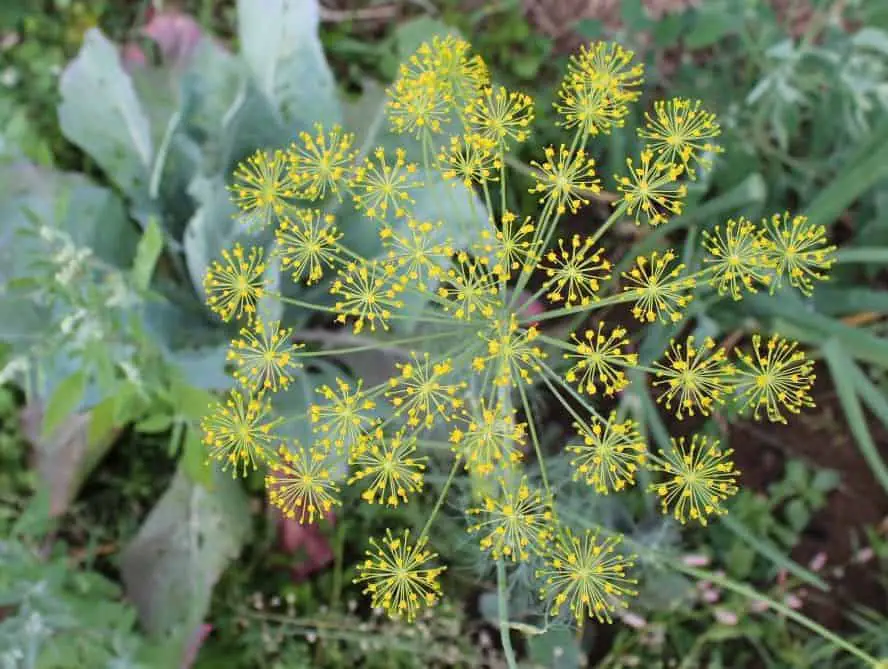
x: 475, y: 353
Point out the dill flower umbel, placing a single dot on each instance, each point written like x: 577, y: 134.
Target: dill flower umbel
x: 307, y: 244
x: 423, y: 390
x: 680, y: 132
x: 491, y: 438
x: 264, y: 356
x: 380, y: 186
x: 586, y: 574
x: 233, y: 289
x: 238, y: 432
x: 695, y: 377
x: 390, y: 467
x: 512, y: 246
x: 470, y: 288
x: 397, y: 575
x: 469, y: 160
x: 600, y: 360
x: 460, y: 73
x: 516, y: 521
x: 698, y: 478
x: 414, y: 255
x: 651, y: 192
x: 565, y: 177
x: 798, y: 251
x: 344, y: 418
x: 738, y: 257
x: 500, y: 116
x: 365, y: 294
x: 574, y: 272
x: 776, y: 378
x: 300, y: 484
x: 589, y: 108
x: 659, y: 290
x: 320, y: 163
x: 516, y: 358
x: 610, y: 454
x: 262, y: 187
x: 608, y: 66
x: 433, y: 344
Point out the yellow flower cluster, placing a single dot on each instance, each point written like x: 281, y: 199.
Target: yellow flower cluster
x: 460, y: 388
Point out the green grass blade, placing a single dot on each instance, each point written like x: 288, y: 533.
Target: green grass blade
x: 840, y: 365
x: 871, y: 395
x: 862, y: 170
x: 819, y: 328
x: 847, y: 300
x: 862, y: 254
x: 773, y: 553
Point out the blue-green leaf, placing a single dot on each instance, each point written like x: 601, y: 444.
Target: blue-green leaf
x: 101, y: 114
x: 170, y: 567
x: 64, y: 401
x: 280, y: 44
x: 147, y: 253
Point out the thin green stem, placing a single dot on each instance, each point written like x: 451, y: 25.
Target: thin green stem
x: 440, y: 502
x: 503, y: 605
x: 536, y: 442
x: 581, y: 309
x: 381, y: 345
x: 332, y: 310
x: 609, y: 222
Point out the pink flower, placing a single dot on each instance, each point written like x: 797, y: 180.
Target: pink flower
x: 725, y: 617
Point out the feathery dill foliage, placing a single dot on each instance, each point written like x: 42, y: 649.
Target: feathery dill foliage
x: 460, y: 387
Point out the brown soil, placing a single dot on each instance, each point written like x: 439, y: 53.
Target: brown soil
x: 822, y: 439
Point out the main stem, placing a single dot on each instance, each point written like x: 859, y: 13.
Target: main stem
x: 503, y: 604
